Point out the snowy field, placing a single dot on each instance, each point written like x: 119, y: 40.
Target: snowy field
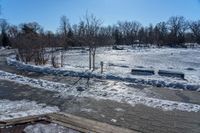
x: 122, y: 61
x: 16, y: 109
x: 118, y: 65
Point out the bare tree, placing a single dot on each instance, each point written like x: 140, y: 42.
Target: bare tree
x: 64, y: 25
x: 31, y: 43
x: 195, y: 28
x: 91, y: 29
x: 4, y: 27
x: 161, y: 33
x: 13, y: 31
x: 129, y: 31
x: 50, y: 40
x: 64, y: 28
x: 177, y: 26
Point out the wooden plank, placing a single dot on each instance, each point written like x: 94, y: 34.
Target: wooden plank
x: 70, y: 121
x: 22, y: 120
x: 86, y: 125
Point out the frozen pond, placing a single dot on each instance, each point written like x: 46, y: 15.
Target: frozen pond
x: 122, y: 61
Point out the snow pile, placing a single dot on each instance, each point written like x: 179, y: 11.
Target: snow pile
x: 38, y: 83
x: 113, y: 91
x: 127, y: 77
x: 135, y: 99
x: 16, y: 109
x: 48, y: 128
x: 1, y: 48
x: 5, y: 51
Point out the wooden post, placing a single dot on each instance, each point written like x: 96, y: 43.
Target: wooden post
x: 90, y: 60
x: 101, y: 63
x: 93, y: 58
x: 62, y: 58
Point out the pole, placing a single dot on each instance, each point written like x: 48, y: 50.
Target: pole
x: 101, y: 63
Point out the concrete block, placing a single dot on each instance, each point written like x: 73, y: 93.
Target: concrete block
x: 142, y: 72
x: 171, y: 74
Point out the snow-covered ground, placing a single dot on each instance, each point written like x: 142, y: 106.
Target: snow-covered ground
x: 5, y: 51
x: 48, y: 128
x: 118, y: 65
x: 119, y: 92
x: 16, y: 109
x: 1, y: 48
x: 122, y: 61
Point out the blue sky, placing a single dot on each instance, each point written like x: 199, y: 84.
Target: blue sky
x: 48, y: 12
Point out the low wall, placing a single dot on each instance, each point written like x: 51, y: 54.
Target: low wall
x: 171, y: 74
x: 142, y: 72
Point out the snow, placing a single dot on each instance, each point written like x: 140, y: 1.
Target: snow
x: 16, y: 109
x: 121, y: 62
x: 1, y: 48
x: 5, y: 51
x: 119, y: 109
x: 110, y: 90
x: 120, y: 72
x: 102, y: 115
x: 48, y: 128
x: 118, y: 64
x: 87, y: 110
x: 113, y: 120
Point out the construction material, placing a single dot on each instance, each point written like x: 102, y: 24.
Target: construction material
x: 69, y: 121
x: 142, y: 72
x: 171, y: 74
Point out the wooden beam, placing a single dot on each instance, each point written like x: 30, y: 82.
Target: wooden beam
x: 22, y: 120
x: 86, y: 125
x: 70, y: 121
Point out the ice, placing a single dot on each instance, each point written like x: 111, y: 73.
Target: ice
x: 48, y: 128
x: 110, y: 90
x: 16, y: 109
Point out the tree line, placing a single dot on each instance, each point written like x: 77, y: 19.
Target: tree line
x: 90, y: 32
x: 31, y: 40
